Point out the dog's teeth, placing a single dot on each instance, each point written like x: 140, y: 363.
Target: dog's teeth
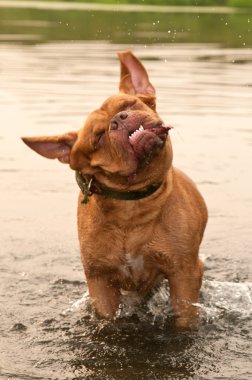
x: 140, y: 129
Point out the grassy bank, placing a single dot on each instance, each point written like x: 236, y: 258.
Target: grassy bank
x: 227, y: 29
x: 232, y: 3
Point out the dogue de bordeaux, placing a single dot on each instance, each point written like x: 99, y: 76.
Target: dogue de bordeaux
x: 139, y: 218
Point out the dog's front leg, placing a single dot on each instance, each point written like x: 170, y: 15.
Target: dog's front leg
x: 184, y: 291
x: 105, y: 297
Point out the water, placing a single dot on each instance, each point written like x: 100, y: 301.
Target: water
x: 50, y: 80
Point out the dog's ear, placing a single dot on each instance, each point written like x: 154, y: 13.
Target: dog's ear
x: 53, y: 146
x: 134, y: 78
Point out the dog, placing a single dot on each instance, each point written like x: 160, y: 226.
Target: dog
x: 139, y: 218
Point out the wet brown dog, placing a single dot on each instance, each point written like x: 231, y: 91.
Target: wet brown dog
x: 145, y: 219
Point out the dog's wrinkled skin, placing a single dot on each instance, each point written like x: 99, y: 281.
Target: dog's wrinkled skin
x: 131, y: 244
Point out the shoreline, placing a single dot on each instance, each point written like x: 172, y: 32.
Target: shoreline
x: 60, y: 5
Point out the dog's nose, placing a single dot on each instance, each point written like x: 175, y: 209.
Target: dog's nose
x: 118, y: 120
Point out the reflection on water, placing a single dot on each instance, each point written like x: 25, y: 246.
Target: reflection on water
x: 47, y: 330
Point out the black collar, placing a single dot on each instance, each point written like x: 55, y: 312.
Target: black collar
x: 89, y: 186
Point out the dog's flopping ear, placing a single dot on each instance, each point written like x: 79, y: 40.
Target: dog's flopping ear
x: 134, y: 78
x: 53, y: 146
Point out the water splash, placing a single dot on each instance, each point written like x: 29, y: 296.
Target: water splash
x: 226, y: 298
x: 217, y: 299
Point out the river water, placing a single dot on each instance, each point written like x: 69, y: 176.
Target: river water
x: 53, y: 73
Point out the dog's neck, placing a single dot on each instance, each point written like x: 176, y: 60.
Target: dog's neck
x: 89, y: 186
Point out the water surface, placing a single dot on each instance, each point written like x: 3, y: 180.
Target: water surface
x: 49, y: 83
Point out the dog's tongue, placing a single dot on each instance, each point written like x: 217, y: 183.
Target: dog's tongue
x: 145, y: 141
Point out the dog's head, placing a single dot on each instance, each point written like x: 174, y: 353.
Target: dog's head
x: 124, y: 139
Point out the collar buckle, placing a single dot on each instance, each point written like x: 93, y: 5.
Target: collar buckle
x: 85, y: 186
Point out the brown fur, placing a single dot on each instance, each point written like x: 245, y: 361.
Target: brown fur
x: 131, y: 244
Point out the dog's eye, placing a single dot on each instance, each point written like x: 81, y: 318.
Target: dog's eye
x: 98, y: 136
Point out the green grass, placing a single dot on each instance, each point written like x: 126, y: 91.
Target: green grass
x: 227, y: 30
x: 240, y: 3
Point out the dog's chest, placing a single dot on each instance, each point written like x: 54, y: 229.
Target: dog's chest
x: 133, y: 266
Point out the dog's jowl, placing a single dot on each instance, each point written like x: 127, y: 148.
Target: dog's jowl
x: 139, y: 218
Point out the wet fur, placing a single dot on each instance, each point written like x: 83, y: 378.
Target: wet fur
x: 130, y: 245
